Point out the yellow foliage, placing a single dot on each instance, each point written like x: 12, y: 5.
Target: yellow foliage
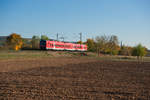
x: 79, y: 42
x: 15, y: 41
x: 91, y: 45
x: 17, y: 47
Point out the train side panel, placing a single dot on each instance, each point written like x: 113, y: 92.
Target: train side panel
x: 50, y: 45
x: 57, y: 45
x: 68, y: 46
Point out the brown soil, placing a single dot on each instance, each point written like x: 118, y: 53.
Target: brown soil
x: 74, y: 79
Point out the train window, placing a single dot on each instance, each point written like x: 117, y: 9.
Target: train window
x: 51, y: 45
x: 76, y: 47
x: 58, y: 45
x: 67, y: 46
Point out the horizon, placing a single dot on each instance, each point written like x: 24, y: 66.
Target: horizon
x: 128, y: 20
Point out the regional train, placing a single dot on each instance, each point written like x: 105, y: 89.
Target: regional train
x: 58, y: 45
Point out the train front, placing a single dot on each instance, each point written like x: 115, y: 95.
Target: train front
x: 43, y: 44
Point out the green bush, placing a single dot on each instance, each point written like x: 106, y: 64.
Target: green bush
x: 139, y: 51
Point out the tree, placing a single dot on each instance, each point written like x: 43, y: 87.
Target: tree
x: 26, y: 43
x: 139, y: 51
x: 113, y: 45
x: 14, y: 41
x: 125, y: 50
x: 91, y: 45
x: 35, y: 42
x: 79, y: 42
x: 107, y: 44
x: 101, y: 44
x: 44, y: 37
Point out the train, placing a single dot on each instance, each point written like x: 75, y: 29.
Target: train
x: 59, y: 45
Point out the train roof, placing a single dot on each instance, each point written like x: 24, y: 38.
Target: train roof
x: 59, y: 41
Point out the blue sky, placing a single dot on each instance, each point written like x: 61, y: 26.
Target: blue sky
x: 128, y: 19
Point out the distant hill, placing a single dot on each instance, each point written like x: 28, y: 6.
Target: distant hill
x: 3, y: 40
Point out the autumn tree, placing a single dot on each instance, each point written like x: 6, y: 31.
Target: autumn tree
x: 125, y: 50
x: 101, y: 44
x: 91, y: 45
x: 113, y: 45
x: 35, y: 42
x: 79, y: 42
x: 44, y: 37
x: 107, y: 44
x: 14, y: 41
x: 139, y: 51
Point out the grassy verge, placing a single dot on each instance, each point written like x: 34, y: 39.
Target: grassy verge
x: 44, y: 54
x: 23, y: 54
x: 122, y: 58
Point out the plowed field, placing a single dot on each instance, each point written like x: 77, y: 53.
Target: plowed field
x: 74, y: 79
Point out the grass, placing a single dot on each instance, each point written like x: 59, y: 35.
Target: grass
x: 123, y: 58
x: 22, y: 54
x: 44, y: 54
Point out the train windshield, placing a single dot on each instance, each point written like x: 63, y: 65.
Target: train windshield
x: 42, y: 42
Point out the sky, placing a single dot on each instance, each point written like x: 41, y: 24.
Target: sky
x: 127, y: 19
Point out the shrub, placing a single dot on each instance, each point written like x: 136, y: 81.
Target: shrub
x: 139, y: 51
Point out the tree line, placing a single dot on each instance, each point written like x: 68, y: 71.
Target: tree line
x: 15, y: 42
x: 110, y: 45
x: 101, y: 45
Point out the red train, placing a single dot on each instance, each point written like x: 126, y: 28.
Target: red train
x: 57, y: 45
